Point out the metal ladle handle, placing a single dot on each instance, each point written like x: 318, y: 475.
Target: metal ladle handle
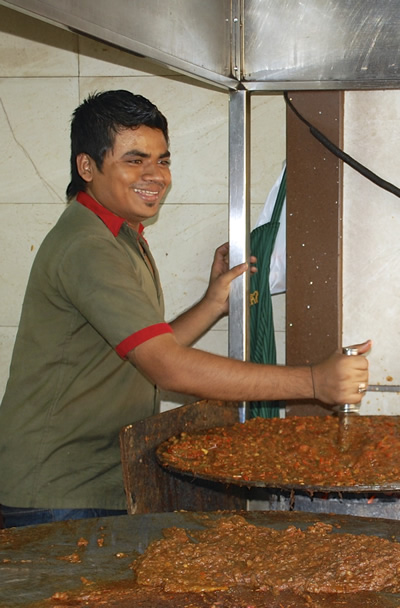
x: 349, y: 408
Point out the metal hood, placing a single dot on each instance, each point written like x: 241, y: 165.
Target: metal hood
x: 192, y: 36
x: 251, y: 44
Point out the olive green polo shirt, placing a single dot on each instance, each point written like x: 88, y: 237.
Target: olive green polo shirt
x: 90, y: 299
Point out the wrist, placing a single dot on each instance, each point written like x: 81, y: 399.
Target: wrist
x: 215, y: 308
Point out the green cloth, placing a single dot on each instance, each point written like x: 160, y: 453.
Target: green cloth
x: 262, y: 334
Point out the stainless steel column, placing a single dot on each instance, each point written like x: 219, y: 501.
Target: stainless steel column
x: 239, y: 224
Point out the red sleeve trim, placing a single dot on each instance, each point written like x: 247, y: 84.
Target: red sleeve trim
x: 124, y: 347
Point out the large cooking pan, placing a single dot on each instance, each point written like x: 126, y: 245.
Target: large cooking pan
x: 38, y: 561
x: 384, y: 488
x: 389, y: 488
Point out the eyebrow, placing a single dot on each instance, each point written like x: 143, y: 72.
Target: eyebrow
x: 141, y: 154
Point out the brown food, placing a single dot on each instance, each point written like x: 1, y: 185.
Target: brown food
x: 143, y: 597
x: 298, y: 451
x: 236, y: 553
x: 235, y: 564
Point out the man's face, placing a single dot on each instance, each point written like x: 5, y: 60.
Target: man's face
x: 134, y: 177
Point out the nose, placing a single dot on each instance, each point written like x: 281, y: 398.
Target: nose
x: 153, y: 172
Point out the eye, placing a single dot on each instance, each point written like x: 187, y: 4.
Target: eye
x: 166, y: 162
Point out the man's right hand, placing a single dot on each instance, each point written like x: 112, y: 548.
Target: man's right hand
x: 338, y: 379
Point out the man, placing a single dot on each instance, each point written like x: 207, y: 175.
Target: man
x: 93, y: 345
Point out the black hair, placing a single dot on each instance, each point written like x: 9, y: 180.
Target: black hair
x: 99, y: 118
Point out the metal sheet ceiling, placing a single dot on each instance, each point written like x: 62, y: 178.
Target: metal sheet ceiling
x: 190, y: 36
x: 257, y: 44
x: 321, y: 44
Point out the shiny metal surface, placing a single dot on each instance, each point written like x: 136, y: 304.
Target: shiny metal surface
x: 239, y: 224
x: 321, y: 44
x: 239, y: 220
x: 347, y: 408
x: 192, y: 36
x: 264, y: 44
x: 347, y: 411
x: 383, y: 388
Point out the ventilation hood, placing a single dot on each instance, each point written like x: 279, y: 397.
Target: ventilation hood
x: 255, y: 44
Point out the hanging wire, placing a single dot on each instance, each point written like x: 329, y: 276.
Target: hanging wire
x: 341, y: 154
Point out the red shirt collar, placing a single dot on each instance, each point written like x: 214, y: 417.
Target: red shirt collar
x: 112, y: 221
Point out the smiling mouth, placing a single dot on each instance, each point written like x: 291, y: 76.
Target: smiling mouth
x: 143, y: 192
x: 149, y: 197
x: 147, y: 192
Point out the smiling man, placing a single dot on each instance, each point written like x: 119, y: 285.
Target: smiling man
x: 134, y: 176
x: 93, y: 346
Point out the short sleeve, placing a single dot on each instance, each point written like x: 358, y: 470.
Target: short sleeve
x: 111, y: 287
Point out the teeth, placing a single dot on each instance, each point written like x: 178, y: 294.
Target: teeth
x: 150, y: 192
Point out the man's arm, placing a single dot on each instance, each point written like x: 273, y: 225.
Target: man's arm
x: 182, y: 369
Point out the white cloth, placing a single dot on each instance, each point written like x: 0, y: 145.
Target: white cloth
x: 277, y: 275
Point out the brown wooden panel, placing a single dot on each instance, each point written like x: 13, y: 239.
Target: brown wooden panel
x: 152, y: 489
x: 314, y: 234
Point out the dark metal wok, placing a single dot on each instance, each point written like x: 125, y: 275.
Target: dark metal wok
x: 389, y: 488
x: 382, y: 488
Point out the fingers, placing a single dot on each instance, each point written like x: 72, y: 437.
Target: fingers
x: 219, y: 285
x: 354, y: 394
x: 338, y: 379
x: 362, y: 348
x: 358, y: 366
x: 236, y: 271
x: 222, y: 251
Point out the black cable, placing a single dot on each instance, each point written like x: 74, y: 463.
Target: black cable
x: 342, y: 155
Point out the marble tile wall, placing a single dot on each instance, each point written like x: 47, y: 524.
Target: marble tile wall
x: 45, y: 72
x: 371, y: 244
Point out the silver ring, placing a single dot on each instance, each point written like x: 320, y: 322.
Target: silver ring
x: 362, y: 387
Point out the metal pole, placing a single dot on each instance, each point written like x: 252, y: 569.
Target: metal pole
x: 239, y: 225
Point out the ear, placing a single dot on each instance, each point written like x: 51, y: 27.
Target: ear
x: 84, y: 164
